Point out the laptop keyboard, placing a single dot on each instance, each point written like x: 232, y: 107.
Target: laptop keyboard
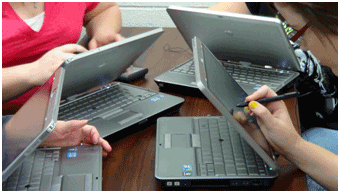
x: 110, y: 99
x: 242, y: 75
x: 223, y: 152
x: 35, y: 173
x: 255, y: 77
x: 187, y: 67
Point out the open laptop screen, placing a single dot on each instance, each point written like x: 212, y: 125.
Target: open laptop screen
x: 225, y: 93
x: 25, y: 125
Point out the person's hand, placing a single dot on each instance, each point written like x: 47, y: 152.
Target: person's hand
x: 274, y: 121
x: 44, y: 67
x: 253, y: 130
x: 103, y: 39
x: 73, y: 133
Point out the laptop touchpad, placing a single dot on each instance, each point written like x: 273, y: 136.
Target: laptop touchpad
x: 77, y: 182
x: 178, y: 140
x: 125, y: 117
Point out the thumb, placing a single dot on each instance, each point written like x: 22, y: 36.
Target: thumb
x: 262, y: 113
x: 119, y: 37
x: 93, y: 44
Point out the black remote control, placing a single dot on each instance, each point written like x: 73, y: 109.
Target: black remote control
x: 133, y: 73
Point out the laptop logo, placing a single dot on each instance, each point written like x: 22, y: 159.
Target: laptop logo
x: 102, y: 65
x: 229, y: 33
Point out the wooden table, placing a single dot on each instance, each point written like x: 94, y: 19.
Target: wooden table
x: 131, y: 164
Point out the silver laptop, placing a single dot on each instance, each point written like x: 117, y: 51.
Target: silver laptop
x: 114, y: 106
x: 26, y: 168
x: 213, y: 151
x: 254, y: 49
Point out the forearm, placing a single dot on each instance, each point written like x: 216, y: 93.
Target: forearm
x: 317, y: 162
x: 109, y: 20
x: 15, y: 82
x: 234, y: 7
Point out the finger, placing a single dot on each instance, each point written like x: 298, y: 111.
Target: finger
x: 72, y: 125
x: 93, y: 44
x: 73, y: 48
x: 263, y: 115
x: 105, y: 145
x: 67, y: 55
x: 119, y: 37
x: 90, y: 134
x: 263, y: 92
x: 110, y: 38
x: 240, y: 117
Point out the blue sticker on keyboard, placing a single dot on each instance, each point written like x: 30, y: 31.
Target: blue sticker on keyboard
x: 157, y: 98
x: 187, y: 173
x: 71, y: 154
x: 257, y: 87
x: 73, y: 149
x: 187, y: 168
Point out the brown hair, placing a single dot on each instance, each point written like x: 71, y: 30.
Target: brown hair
x: 322, y: 17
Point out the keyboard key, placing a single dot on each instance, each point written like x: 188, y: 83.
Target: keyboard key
x: 219, y: 169
x: 46, y: 183
x: 230, y: 170
x: 210, y: 167
x: 203, y: 169
x: 253, y: 171
x: 242, y: 172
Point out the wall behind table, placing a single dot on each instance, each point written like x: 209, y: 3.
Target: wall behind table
x: 153, y: 14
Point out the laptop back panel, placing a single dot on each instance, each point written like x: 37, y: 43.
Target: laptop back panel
x: 237, y: 37
x: 31, y: 124
x: 115, y: 106
x: 243, y: 43
x: 104, y: 64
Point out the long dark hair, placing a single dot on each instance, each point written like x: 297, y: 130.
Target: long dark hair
x: 322, y: 17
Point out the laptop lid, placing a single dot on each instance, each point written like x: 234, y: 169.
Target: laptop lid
x: 32, y: 124
x: 237, y: 37
x: 225, y: 93
x: 104, y: 64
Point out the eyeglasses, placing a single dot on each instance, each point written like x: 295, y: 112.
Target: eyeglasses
x: 299, y: 33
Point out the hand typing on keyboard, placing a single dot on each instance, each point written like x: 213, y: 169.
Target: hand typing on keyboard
x: 72, y: 133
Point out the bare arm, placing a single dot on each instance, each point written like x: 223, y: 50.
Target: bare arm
x: 234, y: 7
x: 103, y: 24
x: 275, y: 123
x: 15, y: 82
x: 317, y: 162
x: 19, y: 79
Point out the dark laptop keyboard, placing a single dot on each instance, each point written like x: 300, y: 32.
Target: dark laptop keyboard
x: 242, y: 75
x: 255, y: 77
x: 187, y: 67
x: 35, y: 173
x: 224, y: 153
x: 110, y: 99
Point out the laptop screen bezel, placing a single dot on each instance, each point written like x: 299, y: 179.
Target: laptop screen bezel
x: 201, y: 79
x: 50, y: 121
